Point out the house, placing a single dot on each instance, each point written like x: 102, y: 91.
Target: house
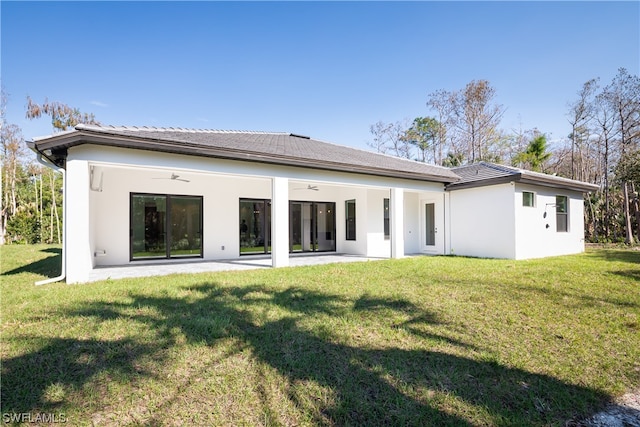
x: 159, y: 195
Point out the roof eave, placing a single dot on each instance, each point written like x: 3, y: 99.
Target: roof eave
x: 550, y: 181
x: 80, y: 137
x: 482, y: 182
x: 555, y: 182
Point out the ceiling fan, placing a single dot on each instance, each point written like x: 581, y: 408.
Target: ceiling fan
x: 309, y: 187
x: 174, y: 177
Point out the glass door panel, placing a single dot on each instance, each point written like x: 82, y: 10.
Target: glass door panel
x: 255, y: 226
x: 295, y: 227
x: 308, y: 228
x: 267, y: 226
x: 312, y: 227
x: 430, y: 224
x: 301, y: 231
x: 148, y: 226
x: 325, y: 227
x: 186, y: 226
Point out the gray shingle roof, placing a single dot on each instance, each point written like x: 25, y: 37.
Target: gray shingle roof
x: 268, y: 147
x: 485, y: 173
x: 293, y: 150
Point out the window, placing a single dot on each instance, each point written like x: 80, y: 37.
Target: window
x: 562, y: 214
x: 529, y: 199
x: 386, y: 219
x: 350, y: 210
x: 165, y: 226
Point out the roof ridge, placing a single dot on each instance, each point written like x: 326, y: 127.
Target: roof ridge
x: 525, y: 171
x: 83, y: 126
x: 502, y: 168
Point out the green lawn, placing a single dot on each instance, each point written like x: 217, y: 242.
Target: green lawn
x: 418, y: 341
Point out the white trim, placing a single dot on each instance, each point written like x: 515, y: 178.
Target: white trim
x: 397, y: 222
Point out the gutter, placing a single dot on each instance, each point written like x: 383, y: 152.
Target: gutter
x: 49, y: 163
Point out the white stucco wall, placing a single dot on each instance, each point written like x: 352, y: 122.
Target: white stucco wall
x: 358, y: 246
x: 411, y: 223
x: 537, y: 236
x: 99, y: 229
x: 492, y: 222
x: 482, y: 221
x: 111, y: 209
x: 377, y: 245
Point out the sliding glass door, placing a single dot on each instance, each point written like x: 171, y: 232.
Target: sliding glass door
x: 312, y: 227
x: 300, y: 235
x: 165, y: 226
x: 185, y: 226
x: 325, y: 226
x: 255, y: 226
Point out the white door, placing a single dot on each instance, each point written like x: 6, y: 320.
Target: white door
x: 432, y: 226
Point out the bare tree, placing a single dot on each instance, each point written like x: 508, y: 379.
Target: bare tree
x: 580, y: 115
x: 623, y: 97
x: 478, y: 118
x: 442, y: 102
x: 605, y: 119
x: 389, y: 138
x: 379, y: 131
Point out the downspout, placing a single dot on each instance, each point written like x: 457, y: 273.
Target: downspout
x: 48, y: 163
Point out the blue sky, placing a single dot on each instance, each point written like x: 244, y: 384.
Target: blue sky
x: 324, y: 69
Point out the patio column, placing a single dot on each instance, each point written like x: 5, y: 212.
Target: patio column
x: 397, y: 222
x: 77, y: 241
x: 279, y: 222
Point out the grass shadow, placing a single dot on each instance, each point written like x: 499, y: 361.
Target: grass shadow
x: 38, y: 381
x: 630, y: 274
x: 581, y: 300
x: 57, y: 251
x: 629, y: 256
x: 370, y: 386
x: 48, y: 267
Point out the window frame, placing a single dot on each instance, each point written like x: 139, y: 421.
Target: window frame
x: 265, y: 225
x: 167, y: 226
x: 386, y: 215
x: 562, y: 211
x: 533, y: 199
x: 350, y: 221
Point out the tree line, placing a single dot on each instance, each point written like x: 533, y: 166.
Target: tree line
x: 603, y: 146
x: 31, y: 200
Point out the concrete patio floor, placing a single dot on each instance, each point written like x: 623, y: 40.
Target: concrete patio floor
x: 197, y: 266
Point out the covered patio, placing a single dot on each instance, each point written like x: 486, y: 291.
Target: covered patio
x: 143, y: 200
